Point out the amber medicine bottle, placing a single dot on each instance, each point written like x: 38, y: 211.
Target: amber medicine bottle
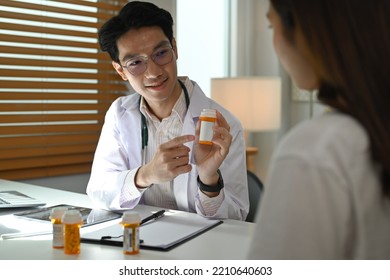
x: 58, y: 228
x: 72, y: 221
x: 208, y: 117
x: 131, y: 221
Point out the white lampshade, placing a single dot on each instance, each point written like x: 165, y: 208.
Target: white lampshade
x: 255, y: 101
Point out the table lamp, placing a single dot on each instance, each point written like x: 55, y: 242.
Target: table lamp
x: 255, y: 101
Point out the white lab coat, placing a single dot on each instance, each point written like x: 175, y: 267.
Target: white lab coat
x: 119, y: 155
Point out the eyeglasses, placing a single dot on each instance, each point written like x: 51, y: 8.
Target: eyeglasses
x: 137, y: 65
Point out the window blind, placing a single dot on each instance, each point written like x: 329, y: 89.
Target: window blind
x: 55, y: 86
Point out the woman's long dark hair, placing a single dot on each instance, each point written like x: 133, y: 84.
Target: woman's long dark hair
x: 348, y: 42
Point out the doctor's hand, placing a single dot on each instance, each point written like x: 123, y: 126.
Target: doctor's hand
x: 170, y: 160
x: 208, y: 158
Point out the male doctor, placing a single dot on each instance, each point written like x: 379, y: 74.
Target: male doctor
x: 148, y: 151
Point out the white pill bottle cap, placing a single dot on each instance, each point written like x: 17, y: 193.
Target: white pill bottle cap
x: 72, y: 217
x: 211, y: 113
x: 58, y: 212
x: 131, y: 217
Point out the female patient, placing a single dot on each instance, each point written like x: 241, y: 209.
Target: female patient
x: 328, y: 192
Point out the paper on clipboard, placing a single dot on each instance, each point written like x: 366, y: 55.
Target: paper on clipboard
x: 165, y: 233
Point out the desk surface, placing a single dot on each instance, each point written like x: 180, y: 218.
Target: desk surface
x: 229, y: 240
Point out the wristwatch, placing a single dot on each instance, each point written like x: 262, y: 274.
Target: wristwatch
x: 207, y: 188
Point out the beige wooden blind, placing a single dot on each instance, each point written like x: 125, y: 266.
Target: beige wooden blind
x: 55, y: 86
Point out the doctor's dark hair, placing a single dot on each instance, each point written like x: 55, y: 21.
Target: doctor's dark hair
x: 348, y: 43
x: 133, y: 15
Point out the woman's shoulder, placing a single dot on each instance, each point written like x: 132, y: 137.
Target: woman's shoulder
x: 331, y: 133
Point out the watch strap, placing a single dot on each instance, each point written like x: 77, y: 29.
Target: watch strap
x: 207, y: 188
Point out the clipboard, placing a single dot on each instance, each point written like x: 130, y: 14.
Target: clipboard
x: 162, y: 234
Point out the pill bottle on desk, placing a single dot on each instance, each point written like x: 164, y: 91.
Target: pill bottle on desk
x: 131, y: 221
x: 208, y: 117
x: 58, y: 228
x: 72, y: 221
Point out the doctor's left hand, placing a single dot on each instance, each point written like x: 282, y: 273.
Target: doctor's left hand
x: 208, y: 158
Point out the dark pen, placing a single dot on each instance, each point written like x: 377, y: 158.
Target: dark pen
x: 153, y: 216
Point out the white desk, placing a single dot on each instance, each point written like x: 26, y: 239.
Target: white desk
x: 228, y: 241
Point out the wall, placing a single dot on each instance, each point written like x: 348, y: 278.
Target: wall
x: 202, y: 47
x: 74, y: 183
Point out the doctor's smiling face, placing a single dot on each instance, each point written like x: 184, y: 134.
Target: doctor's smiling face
x: 148, y: 62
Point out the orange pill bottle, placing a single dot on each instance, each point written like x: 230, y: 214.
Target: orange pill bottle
x: 208, y: 118
x: 131, y: 221
x: 72, y: 221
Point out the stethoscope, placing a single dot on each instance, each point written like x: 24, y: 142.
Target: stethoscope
x: 144, y: 124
